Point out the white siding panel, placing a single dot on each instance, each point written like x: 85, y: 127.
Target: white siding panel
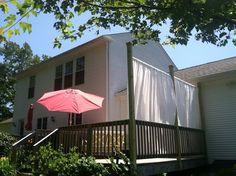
x: 219, y: 102
x: 151, y: 53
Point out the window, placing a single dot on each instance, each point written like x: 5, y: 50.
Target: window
x: 79, y: 74
x: 39, y: 123
x: 74, y: 119
x: 78, y: 119
x: 31, y: 87
x: 42, y: 123
x: 68, y: 75
x: 45, y: 122
x: 58, y: 78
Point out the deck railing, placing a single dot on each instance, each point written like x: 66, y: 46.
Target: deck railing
x: 99, y: 140
x: 154, y: 140
x: 192, y: 141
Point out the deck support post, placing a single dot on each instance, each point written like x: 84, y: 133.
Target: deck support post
x: 132, y: 126
x: 178, y: 142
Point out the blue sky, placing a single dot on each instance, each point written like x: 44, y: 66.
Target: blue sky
x: 195, y: 53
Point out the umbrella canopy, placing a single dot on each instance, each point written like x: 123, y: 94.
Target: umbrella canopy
x: 70, y: 100
x: 28, y: 125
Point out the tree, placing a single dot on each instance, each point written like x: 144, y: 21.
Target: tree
x: 14, y: 60
x: 212, y: 21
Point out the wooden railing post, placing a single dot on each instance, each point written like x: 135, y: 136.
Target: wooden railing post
x: 178, y: 140
x: 132, y: 125
x: 89, y: 140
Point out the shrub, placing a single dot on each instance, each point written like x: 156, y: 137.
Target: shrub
x: 48, y: 161
x: 6, y: 169
x: 6, y: 141
x: 119, y: 164
x: 54, y: 162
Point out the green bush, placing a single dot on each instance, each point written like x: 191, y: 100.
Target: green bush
x: 6, y: 169
x: 48, y: 161
x: 119, y: 164
x: 6, y: 141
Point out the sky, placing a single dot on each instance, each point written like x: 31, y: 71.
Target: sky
x: 43, y: 33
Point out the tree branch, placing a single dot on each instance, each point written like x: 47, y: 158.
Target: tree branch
x: 224, y: 19
x: 134, y: 5
x: 23, y: 16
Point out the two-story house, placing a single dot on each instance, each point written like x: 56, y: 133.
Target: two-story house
x: 98, y: 67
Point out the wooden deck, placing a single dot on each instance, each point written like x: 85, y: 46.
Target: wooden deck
x: 157, y: 145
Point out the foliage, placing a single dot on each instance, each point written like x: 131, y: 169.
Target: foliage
x: 6, y: 140
x: 24, y: 158
x: 48, y: 161
x: 15, y: 59
x: 6, y: 169
x: 119, y: 164
x: 208, y: 20
x: 55, y: 162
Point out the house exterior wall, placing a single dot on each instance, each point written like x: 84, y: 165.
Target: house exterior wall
x: 95, y: 83
x: 151, y: 53
x: 105, y: 75
x: 218, y: 109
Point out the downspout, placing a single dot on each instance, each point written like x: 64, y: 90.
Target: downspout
x: 107, y: 82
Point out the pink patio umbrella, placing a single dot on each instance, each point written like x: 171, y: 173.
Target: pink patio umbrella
x: 70, y: 100
x: 28, y: 125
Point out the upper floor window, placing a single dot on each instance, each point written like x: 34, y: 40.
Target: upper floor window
x: 31, y: 87
x: 79, y: 74
x: 68, y: 78
x: 58, y: 78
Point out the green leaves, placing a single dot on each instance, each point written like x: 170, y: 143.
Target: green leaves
x: 15, y: 59
x: 208, y: 20
x: 4, y: 6
x: 10, y: 20
x: 26, y: 27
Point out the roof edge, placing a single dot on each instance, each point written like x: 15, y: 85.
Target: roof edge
x: 103, y: 37
x: 219, y: 60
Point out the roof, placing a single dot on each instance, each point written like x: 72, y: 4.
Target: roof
x: 88, y: 44
x: 67, y: 54
x: 208, y: 69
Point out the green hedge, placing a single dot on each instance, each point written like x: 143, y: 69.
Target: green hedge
x: 48, y: 161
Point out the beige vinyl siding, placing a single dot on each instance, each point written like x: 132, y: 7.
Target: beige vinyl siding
x: 219, y: 102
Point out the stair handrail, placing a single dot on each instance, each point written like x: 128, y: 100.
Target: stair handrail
x: 24, y: 139
x: 43, y: 139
